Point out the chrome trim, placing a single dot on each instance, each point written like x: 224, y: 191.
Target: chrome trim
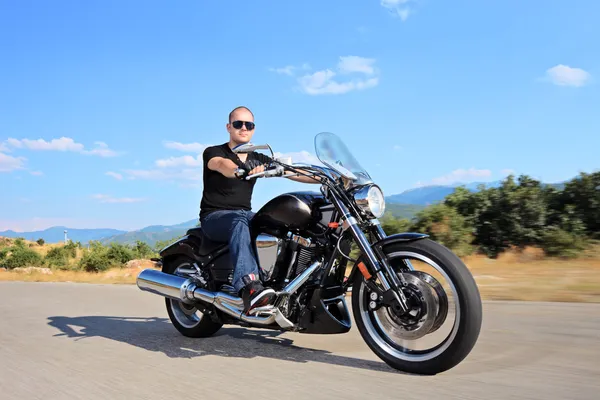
x: 365, y: 247
x: 185, y: 290
x: 300, y: 279
x: 306, y: 242
x: 167, y: 285
x: 361, y: 198
x: 377, y: 337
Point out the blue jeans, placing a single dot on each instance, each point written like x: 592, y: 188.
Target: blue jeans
x: 233, y: 227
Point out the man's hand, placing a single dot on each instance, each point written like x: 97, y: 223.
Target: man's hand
x: 256, y: 170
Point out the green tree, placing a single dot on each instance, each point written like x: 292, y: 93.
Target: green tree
x: 447, y: 226
x: 583, y: 194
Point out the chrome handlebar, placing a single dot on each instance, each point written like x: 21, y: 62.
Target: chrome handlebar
x: 277, y: 171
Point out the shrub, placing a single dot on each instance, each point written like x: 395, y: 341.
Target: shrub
x: 40, y: 241
x: 94, y: 261
x: 58, y: 257
x: 119, y: 253
x: 446, y: 226
x: 142, y: 250
x: 3, y: 253
x: 20, y: 256
x: 100, y: 258
x: 557, y: 242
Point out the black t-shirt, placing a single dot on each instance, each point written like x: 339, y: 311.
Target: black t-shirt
x: 222, y: 193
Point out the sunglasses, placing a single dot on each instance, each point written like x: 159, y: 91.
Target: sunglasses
x: 238, y: 125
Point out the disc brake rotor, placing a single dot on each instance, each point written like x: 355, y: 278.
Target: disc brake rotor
x: 440, y: 293
x: 421, y: 317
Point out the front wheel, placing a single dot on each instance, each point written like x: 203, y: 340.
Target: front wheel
x: 439, y: 330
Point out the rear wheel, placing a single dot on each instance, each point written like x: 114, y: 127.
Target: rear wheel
x: 440, y: 329
x: 186, y: 318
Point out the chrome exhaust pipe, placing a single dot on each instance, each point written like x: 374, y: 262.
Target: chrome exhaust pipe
x: 300, y: 279
x: 185, y: 290
x: 166, y: 285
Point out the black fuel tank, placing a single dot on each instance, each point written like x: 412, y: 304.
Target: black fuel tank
x: 295, y: 211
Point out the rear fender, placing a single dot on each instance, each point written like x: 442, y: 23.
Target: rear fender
x: 184, y: 246
x: 378, y: 246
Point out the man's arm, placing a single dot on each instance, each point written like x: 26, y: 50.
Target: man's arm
x: 303, y: 179
x: 223, y: 165
x: 264, y: 159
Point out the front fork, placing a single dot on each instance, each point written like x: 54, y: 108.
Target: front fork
x: 392, y: 294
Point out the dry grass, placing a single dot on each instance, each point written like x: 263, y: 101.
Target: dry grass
x: 125, y: 275
x: 526, y: 275
x: 532, y: 277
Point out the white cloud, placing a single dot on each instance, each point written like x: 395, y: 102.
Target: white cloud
x: 184, y: 161
x: 61, y: 144
x: 322, y: 83
x: 399, y: 8
x: 186, y: 147
x: 101, y: 150
x: 325, y: 81
x: 185, y: 170
x: 459, y: 176
x: 300, y: 157
x: 563, y: 75
x: 10, y: 163
x: 115, y: 175
x: 350, y: 64
x: 194, y: 175
x: 104, y: 198
x: 287, y: 70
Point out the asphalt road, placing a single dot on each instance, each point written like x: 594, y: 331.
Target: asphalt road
x: 81, y: 341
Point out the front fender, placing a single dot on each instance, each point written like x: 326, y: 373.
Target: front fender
x: 400, y: 237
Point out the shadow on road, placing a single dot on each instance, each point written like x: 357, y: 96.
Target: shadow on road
x: 157, y: 334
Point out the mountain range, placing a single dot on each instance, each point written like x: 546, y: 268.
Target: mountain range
x: 402, y: 205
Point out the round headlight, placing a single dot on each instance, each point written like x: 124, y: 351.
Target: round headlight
x: 370, y: 199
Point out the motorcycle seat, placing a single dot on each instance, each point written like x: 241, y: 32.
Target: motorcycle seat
x: 207, y: 245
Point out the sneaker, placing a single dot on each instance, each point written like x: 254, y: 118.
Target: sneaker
x: 255, y: 294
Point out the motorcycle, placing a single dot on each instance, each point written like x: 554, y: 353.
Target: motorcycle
x: 304, y: 243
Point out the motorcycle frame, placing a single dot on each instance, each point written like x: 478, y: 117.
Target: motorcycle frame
x: 326, y: 311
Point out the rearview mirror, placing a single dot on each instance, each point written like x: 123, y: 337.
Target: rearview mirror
x: 249, y: 147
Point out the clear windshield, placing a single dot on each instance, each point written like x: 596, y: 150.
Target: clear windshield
x: 332, y: 152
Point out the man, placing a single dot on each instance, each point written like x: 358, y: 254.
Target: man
x: 225, y: 209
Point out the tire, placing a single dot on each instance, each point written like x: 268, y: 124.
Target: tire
x: 464, y: 334
x: 181, y: 314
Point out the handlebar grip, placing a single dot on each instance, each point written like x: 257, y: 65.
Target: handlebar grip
x: 278, y: 171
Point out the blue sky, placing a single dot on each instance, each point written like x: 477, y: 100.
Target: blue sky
x: 105, y: 105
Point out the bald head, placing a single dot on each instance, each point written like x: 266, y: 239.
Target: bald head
x: 234, y: 112
x: 240, y: 125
